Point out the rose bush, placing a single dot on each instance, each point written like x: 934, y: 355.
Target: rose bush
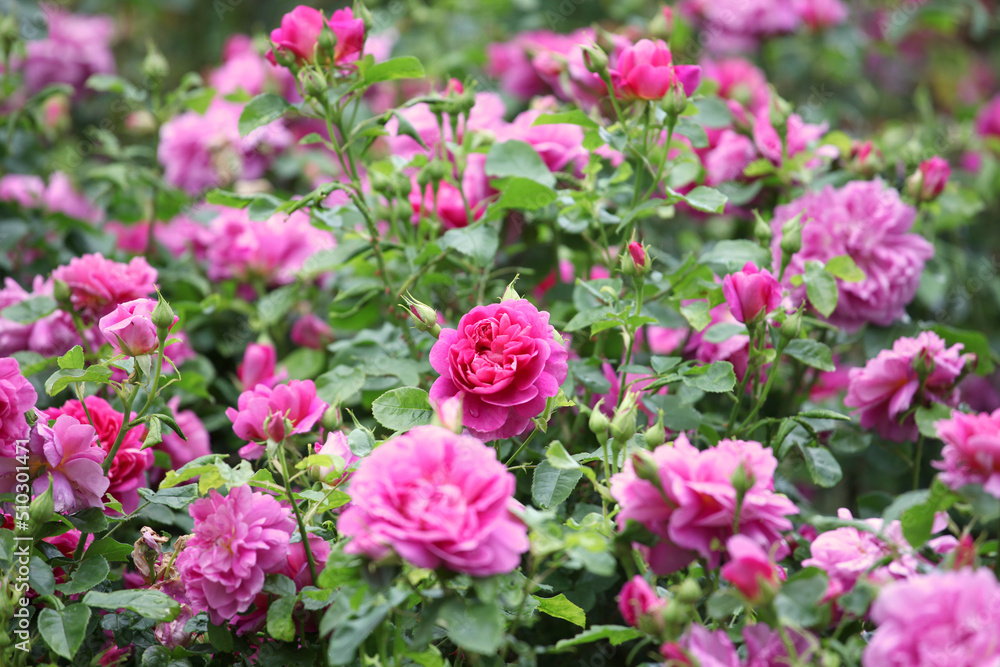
x: 645, y: 334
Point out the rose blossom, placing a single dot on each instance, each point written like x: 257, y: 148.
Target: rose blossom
x: 76, y: 47
x: 867, y: 221
x: 312, y: 332
x: 197, y: 442
x: 971, y: 453
x: 300, y: 30
x: 750, y: 569
x: 97, y: 284
x: 693, y: 510
x: 128, y: 469
x: 50, y: 336
x: 336, y: 446
x: 735, y: 349
x: 886, y: 388
x: 130, y: 329
x: 504, y: 361
x: 751, y: 292
x: 941, y: 618
x: 262, y: 412
x: 237, y: 540
x: 637, y: 599
x: 68, y: 452
x: 645, y: 71
x: 258, y: 366
x: 436, y: 499
x: 560, y: 145
x: 17, y: 397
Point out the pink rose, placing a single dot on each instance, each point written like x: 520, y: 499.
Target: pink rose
x: 637, y: 599
x: 310, y: 331
x: 130, y: 329
x: 751, y: 292
x: 17, y: 397
x: 197, y: 443
x: 750, y: 569
x: 237, y: 540
x: 928, y: 182
x: 258, y: 366
x: 336, y: 445
x: 437, y: 500
x: 262, y: 413
x: 128, y: 469
x: 645, y: 71
x: 97, y: 284
x: 693, y: 507
x: 51, y: 336
x: 941, y: 618
x: 885, y: 389
x: 504, y: 361
x: 971, y: 453
x: 300, y: 30
x: 68, y: 450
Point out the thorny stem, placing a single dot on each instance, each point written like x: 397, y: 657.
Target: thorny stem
x: 298, y: 514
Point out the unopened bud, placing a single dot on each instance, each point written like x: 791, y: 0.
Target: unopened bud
x: 762, y: 230
x: 595, y: 59
x: 599, y: 422
x: 742, y: 480
x: 155, y: 66
x: 645, y: 467
x: 362, y: 12
x: 274, y: 426
x: 791, y: 237
x: 688, y: 592
x: 326, y: 45
x: 623, y: 423
x: 380, y: 182
x: 676, y: 100
x: 656, y: 434
x: 41, y: 508
x: 332, y: 419
x: 163, y: 317
x: 424, y: 317
x: 62, y: 293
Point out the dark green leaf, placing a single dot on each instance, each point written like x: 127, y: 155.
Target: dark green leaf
x: 717, y: 377
x: 63, y: 631
x: 823, y: 467
x: 260, y: 111
x: 517, y: 158
x: 811, y: 353
x: 147, y: 603
x: 88, y: 574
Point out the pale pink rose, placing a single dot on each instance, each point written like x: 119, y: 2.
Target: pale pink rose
x: 69, y: 453
x: 336, y: 445
x: 438, y: 500
x: 130, y: 329
x: 50, y: 336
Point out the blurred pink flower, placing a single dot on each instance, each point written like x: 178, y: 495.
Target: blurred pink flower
x: 258, y: 366
x: 971, y: 453
x: 17, y: 397
x: 76, y: 47
x: 750, y: 569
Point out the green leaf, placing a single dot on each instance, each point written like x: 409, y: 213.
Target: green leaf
x: 713, y: 112
x: 821, y: 288
x: 717, y: 377
x: 575, y: 117
x: 220, y: 638
x: 615, y: 634
x: 40, y: 576
x: 551, y: 486
x: 811, y: 353
x: 177, y: 497
x: 927, y: 418
x: 728, y: 256
x: 843, y: 267
x: 279, y: 618
x: 823, y: 467
x: 63, y: 631
x: 91, y: 520
x: 88, y: 574
x: 147, y: 603
x: 339, y: 384
x: 64, y: 378
x: 403, y: 408
x: 918, y: 521
x: 798, y: 602
x: 722, y: 604
x: 724, y: 331
x: 474, y: 626
x: 517, y: 158
x: 523, y: 193
x: 559, y: 458
x: 110, y: 549
x: 154, y: 435
x: 696, y: 314
x: 404, y: 67
x: 480, y: 243
x: 347, y: 637
x: 261, y: 110
x: 72, y: 359
x: 589, y: 317
x: 560, y: 607
x: 30, y: 310
x: 972, y: 341
x: 702, y: 198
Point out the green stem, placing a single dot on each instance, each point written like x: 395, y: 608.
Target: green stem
x: 639, y: 284
x: 671, y: 123
x: 742, y: 388
x: 298, y: 514
x: 521, y: 447
x: 767, y: 385
x: 125, y: 427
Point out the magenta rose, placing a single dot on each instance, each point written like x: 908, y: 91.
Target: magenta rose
x: 437, y: 499
x: 300, y: 30
x: 262, y: 413
x: 751, y: 292
x: 258, y: 366
x: 504, y: 361
x: 637, y: 599
x: 237, y: 541
x: 750, y: 569
x: 646, y: 71
x: 971, y: 453
x: 130, y: 329
x: 17, y: 397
